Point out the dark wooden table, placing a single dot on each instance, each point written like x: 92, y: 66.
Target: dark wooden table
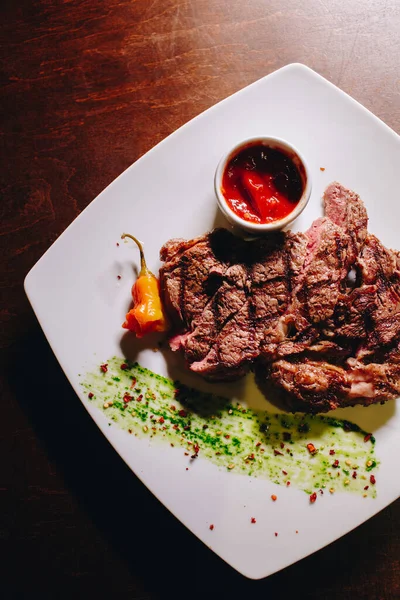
x: 88, y: 86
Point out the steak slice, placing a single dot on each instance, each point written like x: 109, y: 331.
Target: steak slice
x: 371, y: 311
x: 220, y: 309
x: 192, y: 271
x: 380, y: 292
x: 345, y: 208
x: 237, y: 343
x: 319, y: 386
x: 310, y: 386
x: 315, y: 290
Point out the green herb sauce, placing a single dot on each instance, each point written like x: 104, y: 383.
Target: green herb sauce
x: 236, y: 438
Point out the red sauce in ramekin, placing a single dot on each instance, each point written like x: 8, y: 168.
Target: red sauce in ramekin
x: 261, y: 184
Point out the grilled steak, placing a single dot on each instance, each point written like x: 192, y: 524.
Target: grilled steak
x: 223, y: 293
x: 317, y: 314
x: 319, y: 386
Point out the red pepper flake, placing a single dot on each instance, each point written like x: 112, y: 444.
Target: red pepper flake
x: 277, y: 453
x: 274, y: 498
x: 161, y: 420
x: 312, y: 449
x: 187, y: 468
x: 133, y: 382
x: 372, y: 479
x: 127, y: 398
x: 104, y: 368
x: 124, y: 366
x: 287, y: 483
x: 335, y: 464
x: 211, y: 527
x: 139, y: 398
x: 253, y: 520
x: 196, y: 448
x: 258, y: 444
x: 284, y: 472
x: 331, y: 452
x: 182, y: 413
x: 313, y: 497
x: 129, y: 430
x: 282, y: 445
x: 227, y: 436
x: 297, y: 531
x: 90, y: 395
x: 175, y: 426
x: 276, y: 535
x: 366, y: 487
x: 117, y: 244
x: 368, y: 437
x: 118, y: 276
x: 187, y: 427
x: 321, y: 492
x: 173, y: 407
x: 322, y: 168
x: 172, y: 445
x: 354, y: 475
x: 186, y: 453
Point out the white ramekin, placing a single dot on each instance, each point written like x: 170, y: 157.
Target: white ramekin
x: 276, y: 144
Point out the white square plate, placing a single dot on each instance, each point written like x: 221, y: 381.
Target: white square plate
x: 168, y: 193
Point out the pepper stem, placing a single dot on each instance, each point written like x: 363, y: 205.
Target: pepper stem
x: 143, y: 265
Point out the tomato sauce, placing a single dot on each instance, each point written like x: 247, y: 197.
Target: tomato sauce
x: 261, y: 184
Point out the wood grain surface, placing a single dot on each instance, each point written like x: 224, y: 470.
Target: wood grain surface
x: 87, y: 87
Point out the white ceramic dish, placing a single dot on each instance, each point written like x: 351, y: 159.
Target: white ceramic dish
x: 78, y: 275
x: 276, y: 144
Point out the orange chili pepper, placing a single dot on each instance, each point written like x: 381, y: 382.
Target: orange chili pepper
x: 147, y: 313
